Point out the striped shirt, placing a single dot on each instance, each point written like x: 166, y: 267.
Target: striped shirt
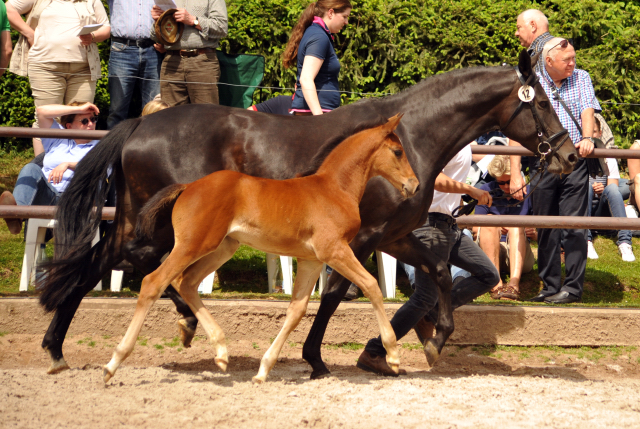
x: 131, y: 19
x: 577, y: 93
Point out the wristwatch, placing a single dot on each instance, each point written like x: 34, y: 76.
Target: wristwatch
x: 196, y: 22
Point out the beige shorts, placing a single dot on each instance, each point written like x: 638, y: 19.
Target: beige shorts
x: 527, y: 264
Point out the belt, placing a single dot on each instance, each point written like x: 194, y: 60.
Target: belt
x: 191, y: 52
x: 435, y: 217
x: 140, y: 43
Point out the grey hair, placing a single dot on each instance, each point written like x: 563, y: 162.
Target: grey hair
x: 535, y: 15
x: 549, y: 45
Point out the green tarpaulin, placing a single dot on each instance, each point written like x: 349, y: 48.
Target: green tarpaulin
x: 243, y: 70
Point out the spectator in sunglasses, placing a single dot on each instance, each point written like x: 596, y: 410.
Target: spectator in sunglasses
x: 42, y: 186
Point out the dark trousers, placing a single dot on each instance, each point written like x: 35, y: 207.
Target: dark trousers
x: 443, y: 237
x: 564, y: 195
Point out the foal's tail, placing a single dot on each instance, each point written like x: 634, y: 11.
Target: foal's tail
x: 78, y: 217
x: 160, y: 204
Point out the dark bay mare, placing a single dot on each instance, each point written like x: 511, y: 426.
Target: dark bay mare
x: 179, y: 145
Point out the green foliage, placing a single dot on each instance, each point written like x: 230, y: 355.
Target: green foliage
x: 390, y: 45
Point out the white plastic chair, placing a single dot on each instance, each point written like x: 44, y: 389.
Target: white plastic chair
x: 33, y: 253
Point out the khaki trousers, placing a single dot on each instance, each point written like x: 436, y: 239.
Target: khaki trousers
x: 190, y: 80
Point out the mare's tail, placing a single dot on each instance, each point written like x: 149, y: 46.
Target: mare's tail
x: 160, y: 204
x: 78, y: 217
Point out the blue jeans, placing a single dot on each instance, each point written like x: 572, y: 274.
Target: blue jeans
x: 444, y: 239
x: 457, y: 271
x: 33, y: 189
x: 128, y: 66
x: 611, y: 203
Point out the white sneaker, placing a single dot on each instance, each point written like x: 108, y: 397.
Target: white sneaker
x: 627, y: 252
x: 591, y: 251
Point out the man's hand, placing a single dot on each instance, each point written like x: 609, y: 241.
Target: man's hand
x: 517, y: 188
x: 585, y: 147
x: 86, y: 39
x: 598, y: 188
x: 531, y: 233
x: 156, y: 12
x: 159, y: 47
x: 56, y: 174
x: 185, y: 17
x: 484, y: 197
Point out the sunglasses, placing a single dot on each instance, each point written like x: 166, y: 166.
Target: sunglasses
x: 502, y: 183
x: 562, y: 44
x: 93, y: 120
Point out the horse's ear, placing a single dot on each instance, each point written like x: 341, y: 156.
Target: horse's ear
x: 524, y: 65
x: 393, y: 122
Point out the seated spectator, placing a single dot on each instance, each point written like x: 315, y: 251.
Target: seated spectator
x: 507, y: 248
x: 279, y: 105
x: 606, y: 200
x: 42, y: 186
x: 478, y: 175
x: 634, y: 178
x: 154, y: 106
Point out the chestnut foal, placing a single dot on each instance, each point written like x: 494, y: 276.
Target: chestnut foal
x: 312, y: 218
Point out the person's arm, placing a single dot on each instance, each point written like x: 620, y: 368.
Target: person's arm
x: 585, y: 146
x: 5, y: 50
x: 213, y: 26
x: 46, y: 114
x: 100, y: 35
x: 516, y: 186
x: 55, y: 176
x: 446, y: 184
x: 18, y: 23
x: 310, y: 68
x: 476, y: 158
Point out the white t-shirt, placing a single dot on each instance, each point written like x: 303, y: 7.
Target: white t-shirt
x: 457, y: 169
x: 56, y: 36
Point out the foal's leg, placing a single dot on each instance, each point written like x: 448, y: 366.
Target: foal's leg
x: 187, y: 286
x: 344, y: 261
x: 306, y: 277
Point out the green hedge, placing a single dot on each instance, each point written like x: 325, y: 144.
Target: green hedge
x: 390, y: 45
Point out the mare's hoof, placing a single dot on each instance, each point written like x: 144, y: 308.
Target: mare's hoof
x: 107, y: 375
x: 320, y: 373
x: 222, y: 364
x: 57, y: 366
x: 431, y: 353
x: 186, y: 333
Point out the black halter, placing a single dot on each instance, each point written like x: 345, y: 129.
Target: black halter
x: 542, y: 130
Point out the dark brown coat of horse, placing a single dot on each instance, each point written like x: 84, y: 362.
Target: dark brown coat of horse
x: 179, y: 145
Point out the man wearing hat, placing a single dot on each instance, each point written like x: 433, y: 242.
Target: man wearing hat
x: 190, y: 34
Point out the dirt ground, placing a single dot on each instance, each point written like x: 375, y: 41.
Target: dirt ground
x: 162, y: 385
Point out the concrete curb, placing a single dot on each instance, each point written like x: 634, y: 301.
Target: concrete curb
x: 353, y: 322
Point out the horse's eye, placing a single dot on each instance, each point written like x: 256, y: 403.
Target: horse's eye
x: 544, y: 104
x: 398, y: 153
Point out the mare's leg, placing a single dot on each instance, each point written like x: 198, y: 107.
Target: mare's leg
x: 306, y: 277
x: 146, y: 256
x: 343, y: 260
x: 331, y: 298
x: 187, y: 286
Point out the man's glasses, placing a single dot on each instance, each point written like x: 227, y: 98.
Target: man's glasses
x: 93, y: 120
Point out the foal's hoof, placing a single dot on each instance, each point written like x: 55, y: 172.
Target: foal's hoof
x: 186, y: 333
x: 258, y: 380
x: 222, y: 364
x: 320, y: 373
x: 57, y: 366
x: 431, y: 353
x: 107, y: 375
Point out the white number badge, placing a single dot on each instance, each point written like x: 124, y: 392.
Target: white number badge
x: 526, y: 93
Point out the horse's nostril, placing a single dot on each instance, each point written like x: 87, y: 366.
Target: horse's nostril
x: 572, y: 158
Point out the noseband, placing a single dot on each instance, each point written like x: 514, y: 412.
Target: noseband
x: 526, y: 93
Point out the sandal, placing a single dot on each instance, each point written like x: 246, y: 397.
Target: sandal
x: 510, y: 293
x: 497, y: 292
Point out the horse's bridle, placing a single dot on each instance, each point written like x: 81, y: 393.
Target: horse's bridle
x: 528, y: 85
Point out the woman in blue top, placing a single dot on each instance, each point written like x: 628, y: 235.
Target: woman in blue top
x: 41, y: 186
x: 310, y: 47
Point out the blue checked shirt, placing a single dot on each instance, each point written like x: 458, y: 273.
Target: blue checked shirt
x: 577, y: 93
x: 131, y: 19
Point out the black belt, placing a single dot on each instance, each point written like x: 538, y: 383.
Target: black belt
x: 140, y: 43
x: 435, y: 217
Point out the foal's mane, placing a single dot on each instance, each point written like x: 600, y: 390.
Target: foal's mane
x: 331, y: 144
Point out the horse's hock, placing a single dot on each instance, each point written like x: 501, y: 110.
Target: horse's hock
x: 353, y: 322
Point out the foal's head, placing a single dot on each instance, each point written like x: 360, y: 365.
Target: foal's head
x: 390, y: 161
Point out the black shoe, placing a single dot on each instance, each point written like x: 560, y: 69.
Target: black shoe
x: 538, y: 298
x: 352, y: 293
x: 562, y: 297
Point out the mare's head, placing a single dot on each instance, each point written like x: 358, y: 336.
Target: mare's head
x: 389, y: 159
x: 528, y: 117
